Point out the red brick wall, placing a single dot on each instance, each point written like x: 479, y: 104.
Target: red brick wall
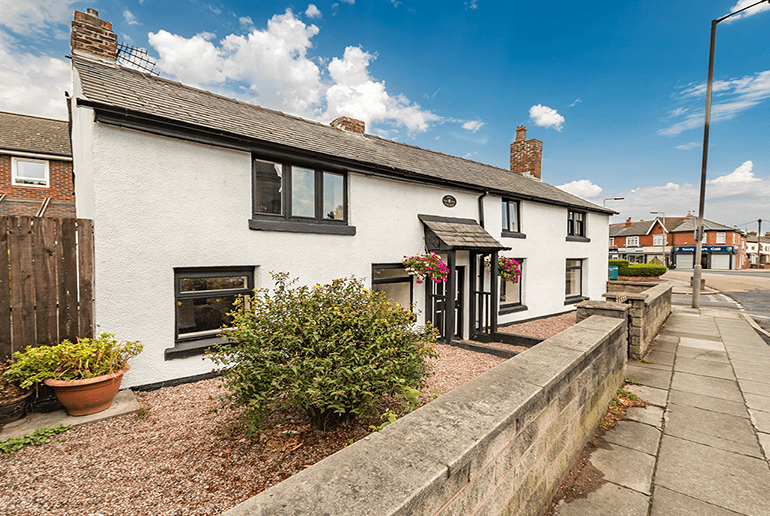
x: 527, y: 156
x: 26, y: 200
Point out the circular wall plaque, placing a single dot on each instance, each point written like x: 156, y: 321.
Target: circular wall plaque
x: 449, y: 201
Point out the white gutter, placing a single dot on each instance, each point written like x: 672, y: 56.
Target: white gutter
x: 35, y: 155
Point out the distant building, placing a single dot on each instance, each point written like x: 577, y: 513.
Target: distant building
x: 671, y: 241
x: 35, y: 167
x: 759, y: 258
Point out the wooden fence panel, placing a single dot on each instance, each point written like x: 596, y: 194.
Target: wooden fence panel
x: 68, y: 281
x: 5, y: 292
x: 45, y: 281
x: 86, y: 276
x: 22, y: 282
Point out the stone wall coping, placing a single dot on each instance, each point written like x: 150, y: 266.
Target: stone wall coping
x: 606, y: 305
x: 393, y: 471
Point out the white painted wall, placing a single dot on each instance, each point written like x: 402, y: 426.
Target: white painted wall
x: 160, y: 203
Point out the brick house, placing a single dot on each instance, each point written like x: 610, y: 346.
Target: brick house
x: 758, y: 250
x: 35, y: 167
x: 672, y: 240
x: 185, y: 186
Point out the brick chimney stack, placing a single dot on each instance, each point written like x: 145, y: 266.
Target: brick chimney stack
x: 349, y: 124
x: 93, y: 36
x: 526, y: 155
x: 628, y: 222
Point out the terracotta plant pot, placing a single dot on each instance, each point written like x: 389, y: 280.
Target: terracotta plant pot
x: 14, y: 409
x: 88, y: 396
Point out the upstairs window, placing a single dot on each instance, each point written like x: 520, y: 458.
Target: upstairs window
x: 659, y: 239
x: 721, y: 237
x: 632, y: 241
x: 576, y: 224
x: 30, y: 172
x: 289, y: 197
x: 612, y: 241
x: 511, y: 216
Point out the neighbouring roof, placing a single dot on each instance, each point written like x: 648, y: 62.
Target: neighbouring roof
x: 24, y: 133
x: 111, y: 87
x: 446, y: 234
x: 690, y: 225
x: 672, y: 225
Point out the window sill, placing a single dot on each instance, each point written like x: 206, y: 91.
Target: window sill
x: 509, y: 309
x: 573, y: 300
x: 571, y: 238
x: 294, y: 226
x: 191, y: 348
x: 513, y: 234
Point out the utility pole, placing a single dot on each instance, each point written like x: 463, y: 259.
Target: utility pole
x: 759, y: 244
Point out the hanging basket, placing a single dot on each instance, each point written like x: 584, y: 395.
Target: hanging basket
x: 427, y: 266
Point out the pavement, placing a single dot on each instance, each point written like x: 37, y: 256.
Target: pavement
x: 702, y: 444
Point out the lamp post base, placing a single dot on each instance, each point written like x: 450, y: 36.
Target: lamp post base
x: 696, y: 274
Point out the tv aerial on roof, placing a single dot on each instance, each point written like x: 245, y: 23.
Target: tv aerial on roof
x: 136, y: 58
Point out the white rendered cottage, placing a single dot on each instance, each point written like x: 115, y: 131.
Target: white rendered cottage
x: 196, y: 198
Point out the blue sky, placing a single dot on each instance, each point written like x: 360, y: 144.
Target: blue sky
x: 614, y: 90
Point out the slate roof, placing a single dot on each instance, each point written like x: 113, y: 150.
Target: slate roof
x: 26, y: 133
x: 643, y: 226
x: 109, y: 85
x: 690, y: 225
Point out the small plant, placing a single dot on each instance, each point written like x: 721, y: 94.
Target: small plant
x: 507, y: 268
x: 617, y: 408
x: 427, y: 266
x: 8, y: 389
x: 632, y: 382
x: 36, y: 438
x: 330, y: 350
x: 86, y: 358
x: 143, y: 413
x: 645, y: 361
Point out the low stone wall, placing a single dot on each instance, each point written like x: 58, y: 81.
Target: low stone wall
x: 499, y: 445
x: 632, y: 286
x: 646, y: 313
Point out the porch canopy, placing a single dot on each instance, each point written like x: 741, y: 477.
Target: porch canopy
x: 449, y: 235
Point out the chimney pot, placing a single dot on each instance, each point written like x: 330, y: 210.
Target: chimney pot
x: 352, y: 125
x: 526, y: 155
x: 92, y: 12
x: 628, y: 222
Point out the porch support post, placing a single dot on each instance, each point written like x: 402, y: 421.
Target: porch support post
x: 495, y: 297
x: 451, y: 292
x: 472, y: 296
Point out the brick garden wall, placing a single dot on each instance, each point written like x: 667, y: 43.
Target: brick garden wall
x: 499, y: 445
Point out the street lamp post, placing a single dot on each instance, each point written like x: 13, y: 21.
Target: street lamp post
x: 604, y: 202
x: 696, y: 275
x: 663, y: 223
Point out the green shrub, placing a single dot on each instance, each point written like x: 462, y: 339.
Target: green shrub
x: 637, y: 269
x: 618, y: 263
x: 86, y: 358
x: 331, y: 350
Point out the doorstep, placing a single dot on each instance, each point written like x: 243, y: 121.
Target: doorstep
x: 124, y: 403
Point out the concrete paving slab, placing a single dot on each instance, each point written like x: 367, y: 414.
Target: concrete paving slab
x: 665, y: 343
x: 731, y: 433
x: 757, y: 401
x: 714, y: 387
x: 704, y: 368
x: 624, y: 466
x: 669, y: 503
x: 757, y: 361
x: 753, y: 387
x: 649, y: 415
x: 124, y: 403
x: 652, y: 365
x: 660, y: 379
x: 609, y: 500
x: 688, y: 334
x: 703, y: 354
x: 761, y: 420
x: 764, y: 441
x: 634, y: 435
x: 706, y: 345
x: 699, y: 400
x: 752, y: 373
x: 661, y: 357
x: 746, y: 354
x: 651, y: 395
x: 725, y: 479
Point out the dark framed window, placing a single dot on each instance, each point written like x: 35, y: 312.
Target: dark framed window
x: 393, y: 279
x: 511, y: 294
x: 298, y: 198
x: 204, y: 297
x: 576, y: 226
x: 574, y: 281
x: 511, y: 216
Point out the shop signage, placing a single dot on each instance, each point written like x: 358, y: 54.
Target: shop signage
x: 706, y: 249
x: 630, y: 250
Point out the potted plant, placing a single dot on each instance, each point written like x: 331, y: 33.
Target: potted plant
x: 427, y: 266
x: 13, y: 399
x: 85, y: 375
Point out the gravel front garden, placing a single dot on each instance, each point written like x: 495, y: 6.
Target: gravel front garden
x: 181, y: 456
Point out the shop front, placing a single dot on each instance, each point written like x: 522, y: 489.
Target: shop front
x: 717, y: 257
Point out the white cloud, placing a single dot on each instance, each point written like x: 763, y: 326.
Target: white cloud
x: 130, y: 18
x: 575, y: 103
x: 32, y: 84
x: 473, y: 4
x: 30, y: 17
x: 546, y: 117
x: 473, y: 125
x: 742, y: 174
x: 749, y: 12
x: 246, y: 21
x: 312, y: 11
x: 737, y: 95
x: 193, y: 61
x: 351, y: 2
x: 688, y: 146
x: 583, y: 188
